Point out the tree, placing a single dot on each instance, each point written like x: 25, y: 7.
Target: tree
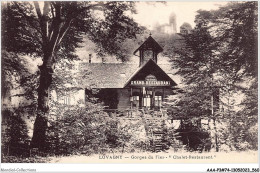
x: 54, y: 31
x: 236, y: 30
x: 219, y: 55
x: 196, y: 63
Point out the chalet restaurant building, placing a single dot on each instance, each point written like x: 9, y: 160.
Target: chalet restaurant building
x: 124, y: 86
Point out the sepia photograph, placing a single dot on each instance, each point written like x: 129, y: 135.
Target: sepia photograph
x: 129, y: 82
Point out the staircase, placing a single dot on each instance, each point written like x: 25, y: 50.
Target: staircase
x: 157, y: 141
x: 154, y: 129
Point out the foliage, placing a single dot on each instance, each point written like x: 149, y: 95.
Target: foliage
x: 132, y: 136
x: 195, y: 62
x: 16, y: 35
x: 171, y: 140
x: 89, y: 130
x: 105, y: 23
x: 237, y: 32
x: 75, y: 129
x: 17, y: 73
x: 247, y: 123
x: 15, y: 133
x: 67, y: 77
x: 14, y: 159
x: 55, y: 31
x: 216, y: 60
x: 195, y: 140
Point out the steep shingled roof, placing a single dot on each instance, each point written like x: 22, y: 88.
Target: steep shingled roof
x: 150, y: 43
x: 111, y: 75
x: 107, y: 75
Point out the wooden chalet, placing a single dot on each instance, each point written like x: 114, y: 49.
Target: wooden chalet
x: 130, y: 86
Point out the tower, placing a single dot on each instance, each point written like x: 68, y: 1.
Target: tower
x: 172, y: 22
x: 148, y: 50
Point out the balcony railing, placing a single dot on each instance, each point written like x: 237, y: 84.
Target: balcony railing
x: 136, y: 113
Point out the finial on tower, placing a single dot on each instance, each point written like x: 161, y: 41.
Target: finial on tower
x: 150, y: 33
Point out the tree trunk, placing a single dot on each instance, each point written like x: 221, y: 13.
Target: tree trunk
x: 40, y: 124
x: 214, y: 123
x: 216, y: 135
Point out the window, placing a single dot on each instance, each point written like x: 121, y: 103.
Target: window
x: 147, y: 101
x: 148, y: 54
x: 158, y: 101
x: 67, y: 100
x: 135, y: 99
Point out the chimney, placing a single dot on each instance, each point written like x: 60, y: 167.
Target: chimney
x: 89, y: 60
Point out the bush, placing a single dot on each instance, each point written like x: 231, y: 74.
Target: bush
x: 75, y: 129
x: 15, y: 159
x: 15, y: 135
x: 171, y: 140
x: 89, y: 130
x: 132, y: 136
x: 245, y: 137
x: 237, y: 134
x: 193, y: 136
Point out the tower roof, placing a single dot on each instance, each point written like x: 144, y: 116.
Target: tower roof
x: 150, y: 43
x: 186, y: 25
x: 172, y: 18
